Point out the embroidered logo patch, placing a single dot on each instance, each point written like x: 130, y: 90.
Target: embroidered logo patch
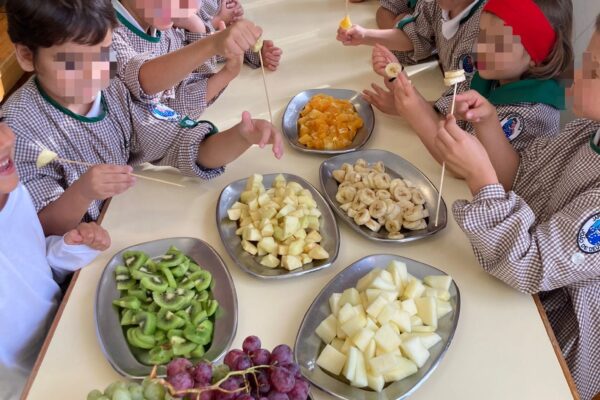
x: 467, y: 63
x: 162, y: 112
x: 588, y: 238
x: 512, y: 126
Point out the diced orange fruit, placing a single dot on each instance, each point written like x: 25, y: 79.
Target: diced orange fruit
x: 346, y: 23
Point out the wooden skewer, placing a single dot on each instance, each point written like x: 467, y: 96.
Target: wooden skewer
x: 439, y: 202
x: 262, y: 67
x: 347, y: 11
x: 136, y: 175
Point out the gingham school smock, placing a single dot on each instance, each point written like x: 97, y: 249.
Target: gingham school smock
x: 424, y: 29
x: 126, y: 133
x: 544, y: 236
x: 134, y: 47
x: 398, y: 6
x: 524, y: 119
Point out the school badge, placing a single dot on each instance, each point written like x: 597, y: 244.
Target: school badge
x: 588, y: 238
x: 162, y: 112
x: 467, y: 63
x: 512, y: 126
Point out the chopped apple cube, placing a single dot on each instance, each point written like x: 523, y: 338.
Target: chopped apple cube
x: 270, y: 261
x: 331, y: 360
x: 290, y: 226
x: 313, y: 236
x: 441, y: 282
x: 375, y: 382
x: 387, y: 338
x: 443, y: 308
x: 268, y: 244
x: 346, y: 312
x: 234, y: 214
x: 346, y: 346
x: 334, y: 303
x: 296, y: 247
x: 351, y: 296
x: 362, y: 338
x: 349, y: 370
x: 413, y: 348
x: 327, y: 329
x: 413, y: 290
x: 377, y: 306
x: 251, y: 234
x: 427, y: 310
x: 404, y: 368
x: 318, y: 253
x: 371, y: 324
x: 429, y: 339
x: 249, y: 247
x: 291, y: 262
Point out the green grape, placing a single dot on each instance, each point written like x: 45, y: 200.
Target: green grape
x: 94, y: 395
x: 136, y: 391
x: 154, y: 391
x: 110, y: 389
x: 121, y: 394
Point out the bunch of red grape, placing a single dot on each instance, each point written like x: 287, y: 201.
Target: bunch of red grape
x: 252, y: 373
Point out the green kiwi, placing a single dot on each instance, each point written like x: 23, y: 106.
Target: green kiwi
x: 139, y: 293
x: 193, y: 266
x: 169, y: 300
x: 177, y: 339
x: 181, y: 269
x: 198, y: 317
x: 202, y: 280
x: 160, y: 336
x: 141, y: 272
x: 201, y: 334
x: 134, y: 259
x: 173, y: 257
x: 155, y: 283
x: 184, y: 349
x: 136, y: 338
x: 121, y: 270
x: 183, y: 314
x: 202, y: 296
x: 211, y: 307
x: 171, y: 333
x: 129, y: 302
x: 146, y: 321
x: 167, y: 320
x: 128, y: 317
x: 168, y: 276
x: 198, y: 352
x: 160, y: 355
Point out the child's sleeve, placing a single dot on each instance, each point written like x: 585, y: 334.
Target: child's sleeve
x: 129, y: 63
x: 65, y: 259
x: 531, y: 258
x: 420, y: 29
x: 191, y: 94
x: 396, y: 6
x: 443, y: 106
x: 252, y: 59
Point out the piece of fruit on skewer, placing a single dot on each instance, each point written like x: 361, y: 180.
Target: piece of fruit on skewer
x: 392, y: 70
x: 346, y: 23
x: 452, y: 78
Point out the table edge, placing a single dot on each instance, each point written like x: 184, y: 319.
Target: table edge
x: 57, y: 317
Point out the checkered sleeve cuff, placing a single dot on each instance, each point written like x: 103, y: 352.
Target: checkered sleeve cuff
x: 131, y: 78
x: 252, y: 59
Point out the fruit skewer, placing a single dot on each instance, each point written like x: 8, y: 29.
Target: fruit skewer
x: 258, y: 49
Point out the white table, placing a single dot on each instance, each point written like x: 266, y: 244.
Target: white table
x: 501, y: 349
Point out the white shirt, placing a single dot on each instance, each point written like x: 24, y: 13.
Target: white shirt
x: 127, y: 15
x: 29, y: 295
x: 597, y: 138
x: 96, y: 109
x: 450, y: 26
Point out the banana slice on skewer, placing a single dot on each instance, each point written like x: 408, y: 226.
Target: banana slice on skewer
x: 452, y: 78
x: 393, y: 69
x: 258, y: 45
x: 45, y: 157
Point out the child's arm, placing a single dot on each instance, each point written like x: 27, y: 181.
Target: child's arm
x: 167, y: 71
x: 219, y: 81
x: 223, y: 148
x: 385, y: 18
x: 393, y: 39
x: 98, y: 183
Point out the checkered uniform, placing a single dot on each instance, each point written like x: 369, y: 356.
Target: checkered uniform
x: 128, y: 134
x: 531, y: 239
x: 189, y: 96
x: 535, y: 120
x: 396, y: 6
x: 206, y: 13
x: 425, y: 32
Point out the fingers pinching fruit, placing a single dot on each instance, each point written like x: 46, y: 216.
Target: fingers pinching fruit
x: 392, y: 70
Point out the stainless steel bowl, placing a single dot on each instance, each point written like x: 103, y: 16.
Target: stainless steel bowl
x: 308, y: 345
x: 108, y: 327
x: 292, y: 112
x: 396, y: 167
x: 249, y: 263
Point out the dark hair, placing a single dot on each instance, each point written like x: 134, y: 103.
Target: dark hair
x: 560, y: 60
x: 47, y: 23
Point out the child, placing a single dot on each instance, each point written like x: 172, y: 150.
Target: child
x: 73, y: 108
x: 390, y: 12
x: 446, y: 27
x: 226, y: 11
x: 173, y: 71
x: 29, y: 292
x: 518, y: 72
x: 534, y: 220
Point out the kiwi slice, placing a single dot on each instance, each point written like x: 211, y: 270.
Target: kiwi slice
x: 173, y: 257
x: 202, y: 296
x: 183, y: 314
x: 198, y: 317
x: 211, y: 307
x: 160, y: 336
x: 121, y: 270
x: 139, y: 293
x: 167, y: 320
x: 168, y: 276
x: 160, y: 355
x: 193, y: 266
x: 154, y: 283
x: 128, y: 302
x: 202, y: 280
x: 128, y: 317
x: 201, y: 334
x: 184, y: 349
x: 134, y: 259
x: 146, y: 321
x: 141, y: 272
x: 169, y: 300
x: 198, y: 352
x: 174, y: 332
x: 136, y: 338
x: 177, y: 339
x: 181, y: 269
x: 126, y: 285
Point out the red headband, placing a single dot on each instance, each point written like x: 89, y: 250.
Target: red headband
x: 528, y: 22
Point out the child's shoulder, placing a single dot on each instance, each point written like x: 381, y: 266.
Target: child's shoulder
x: 21, y: 100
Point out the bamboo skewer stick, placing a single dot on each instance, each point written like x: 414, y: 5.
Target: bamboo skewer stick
x: 439, y: 202
x: 262, y: 67
x: 63, y: 160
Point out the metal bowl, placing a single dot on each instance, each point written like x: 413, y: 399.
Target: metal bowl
x: 308, y: 345
x: 249, y: 263
x: 396, y: 167
x: 109, y: 330
x: 364, y: 109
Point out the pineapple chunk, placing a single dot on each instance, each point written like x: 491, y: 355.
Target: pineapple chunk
x: 349, y: 370
x: 331, y: 360
x: 384, y: 363
x: 441, y: 282
x: 410, y: 307
x: 360, y: 373
x: 346, y: 312
x: 337, y: 343
x: 413, y: 290
x: 399, y: 273
x: 270, y: 261
x: 291, y: 262
x: 353, y: 325
x: 327, y: 329
x: 387, y: 338
x: 371, y: 349
x: 377, y: 306
x: 443, y: 308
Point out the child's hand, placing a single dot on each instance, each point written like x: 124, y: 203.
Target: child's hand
x: 354, y: 36
x: 236, y: 39
x: 381, y: 99
x: 191, y: 24
x: 271, y: 55
x: 473, y: 107
x: 260, y: 132
x: 406, y: 98
x: 230, y: 11
x: 380, y: 58
x: 465, y: 155
x: 89, y: 234
x: 103, y: 181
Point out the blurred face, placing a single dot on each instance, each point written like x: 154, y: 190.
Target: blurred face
x: 8, y: 173
x: 500, y: 54
x: 71, y: 73
x: 586, y: 87
x: 160, y: 14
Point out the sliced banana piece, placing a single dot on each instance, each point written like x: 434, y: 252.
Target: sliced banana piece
x: 393, y: 69
x: 45, y: 157
x: 258, y: 45
x: 452, y: 78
